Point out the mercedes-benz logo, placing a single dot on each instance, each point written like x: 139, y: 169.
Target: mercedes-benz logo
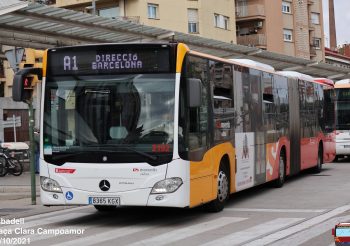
x: 104, y: 185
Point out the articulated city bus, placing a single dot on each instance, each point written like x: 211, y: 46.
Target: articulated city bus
x: 161, y: 125
x: 342, y: 106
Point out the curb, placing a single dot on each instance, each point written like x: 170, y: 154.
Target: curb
x: 16, y: 188
x: 16, y: 196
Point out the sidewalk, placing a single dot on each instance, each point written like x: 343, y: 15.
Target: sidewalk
x: 22, y: 184
x: 15, y: 197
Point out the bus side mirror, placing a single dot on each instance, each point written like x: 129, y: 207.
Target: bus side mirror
x: 194, y: 92
x: 23, y: 83
x: 333, y: 231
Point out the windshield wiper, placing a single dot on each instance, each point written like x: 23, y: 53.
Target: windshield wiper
x: 151, y: 157
x: 77, y: 153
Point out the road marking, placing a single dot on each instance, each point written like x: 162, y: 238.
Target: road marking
x: 46, y: 221
x: 253, y: 232
x: 276, y: 210
x: 105, y: 236
x: 179, y: 234
x: 312, y: 232
x: 299, y: 227
x: 49, y: 214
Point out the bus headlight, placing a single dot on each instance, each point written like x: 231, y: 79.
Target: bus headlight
x: 50, y: 185
x: 167, y: 186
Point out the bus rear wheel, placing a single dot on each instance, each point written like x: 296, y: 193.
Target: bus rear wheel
x: 223, y: 190
x: 318, y: 167
x: 278, y: 183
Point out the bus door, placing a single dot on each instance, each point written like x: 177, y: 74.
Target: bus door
x: 308, y: 117
x: 294, y: 125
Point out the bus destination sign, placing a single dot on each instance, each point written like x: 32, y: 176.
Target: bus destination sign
x: 108, y: 60
x: 115, y: 61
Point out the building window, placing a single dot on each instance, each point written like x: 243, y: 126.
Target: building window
x: 193, y: 20
x: 317, y: 43
x: 152, y: 11
x: 192, y: 27
x: 226, y: 22
x: 216, y: 20
x: 315, y: 18
x: 109, y: 12
x: 286, y: 7
x: 288, y: 35
x: 222, y: 21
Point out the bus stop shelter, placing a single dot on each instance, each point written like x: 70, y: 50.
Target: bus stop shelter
x: 34, y: 25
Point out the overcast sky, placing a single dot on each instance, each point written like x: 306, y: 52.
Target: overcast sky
x: 342, y: 20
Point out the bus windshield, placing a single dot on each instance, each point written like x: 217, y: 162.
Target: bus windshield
x: 343, y: 109
x: 109, y: 119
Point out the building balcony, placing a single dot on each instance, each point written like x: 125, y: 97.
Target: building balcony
x: 134, y: 19
x: 46, y: 2
x: 250, y: 12
x: 254, y: 40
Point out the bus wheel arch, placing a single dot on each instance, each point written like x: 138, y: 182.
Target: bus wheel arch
x: 223, y: 186
x: 282, y: 168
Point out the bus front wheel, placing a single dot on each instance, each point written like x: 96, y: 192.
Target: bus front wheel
x: 223, y: 186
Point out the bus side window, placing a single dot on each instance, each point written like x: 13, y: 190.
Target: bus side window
x: 269, y: 106
x: 221, y: 77
x: 197, y: 68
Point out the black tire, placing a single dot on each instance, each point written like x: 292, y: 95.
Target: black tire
x: 279, y: 182
x: 223, y: 190
x: 336, y: 159
x: 105, y: 209
x: 318, y: 167
x: 3, y: 168
x: 17, y: 168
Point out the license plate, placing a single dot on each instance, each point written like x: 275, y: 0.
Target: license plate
x: 115, y: 201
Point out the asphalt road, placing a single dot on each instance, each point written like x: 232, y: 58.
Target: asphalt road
x: 302, y: 212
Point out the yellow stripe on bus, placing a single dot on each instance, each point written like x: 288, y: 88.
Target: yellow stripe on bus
x: 182, y: 49
x: 203, y: 174
x: 44, y: 63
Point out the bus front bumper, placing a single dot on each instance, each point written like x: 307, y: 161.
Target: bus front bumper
x: 139, y: 197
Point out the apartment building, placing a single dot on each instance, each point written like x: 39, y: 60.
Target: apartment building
x: 290, y: 27
x: 209, y: 19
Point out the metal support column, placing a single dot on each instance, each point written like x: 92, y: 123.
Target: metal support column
x: 32, y: 151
